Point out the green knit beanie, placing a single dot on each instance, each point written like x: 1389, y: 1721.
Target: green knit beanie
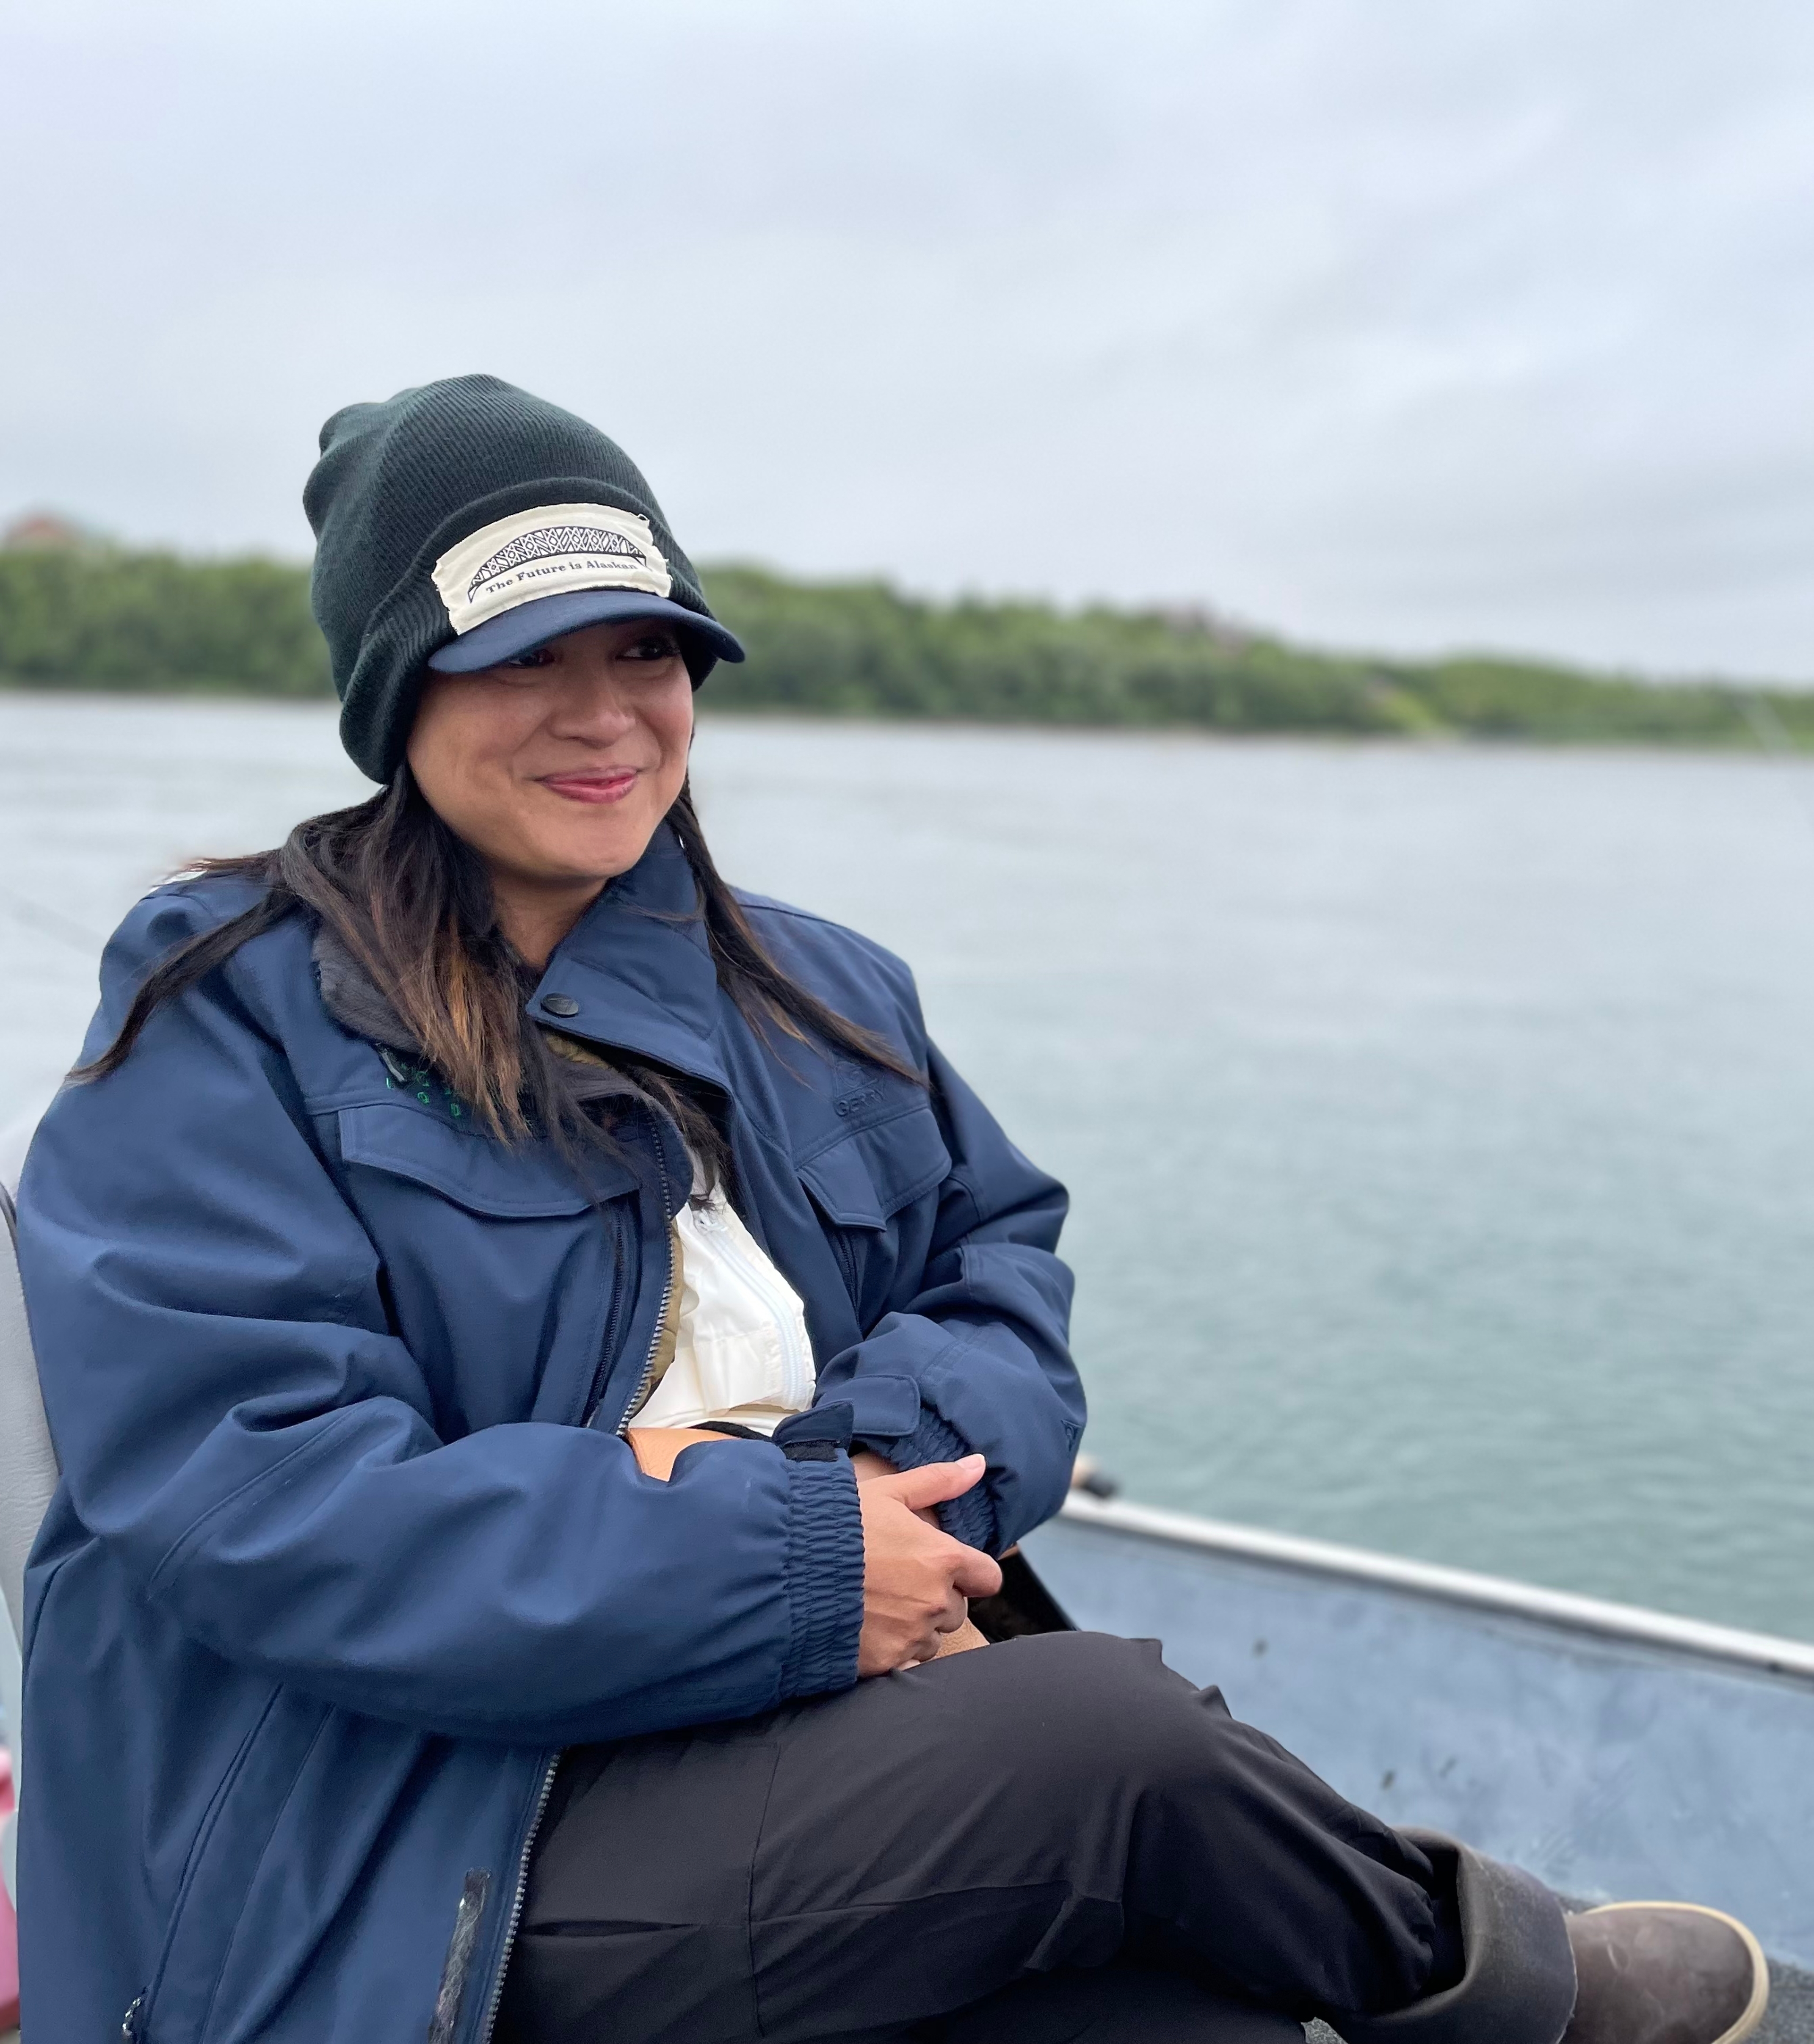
x: 430, y: 544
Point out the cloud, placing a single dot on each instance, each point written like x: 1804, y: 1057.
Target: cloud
x: 1382, y: 321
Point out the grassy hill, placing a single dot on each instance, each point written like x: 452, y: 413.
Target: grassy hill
x: 92, y: 617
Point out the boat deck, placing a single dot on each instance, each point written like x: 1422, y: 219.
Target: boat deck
x: 1790, y: 2017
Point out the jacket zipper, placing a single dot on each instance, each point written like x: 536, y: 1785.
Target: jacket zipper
x: 783, y: 1306
x: 517, y: 1894
x: 661, y: 1310
x: 515, y: 1918
x: 595, y: 1395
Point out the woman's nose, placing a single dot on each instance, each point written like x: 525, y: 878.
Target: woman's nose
x: 594, y: 708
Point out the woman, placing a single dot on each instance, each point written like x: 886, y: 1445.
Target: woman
x: 541, y: 1350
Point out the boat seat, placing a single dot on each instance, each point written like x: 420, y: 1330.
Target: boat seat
x: 27, y: 1478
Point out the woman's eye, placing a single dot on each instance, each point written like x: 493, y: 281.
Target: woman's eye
x: 537, y: 656
x: 657, y: 646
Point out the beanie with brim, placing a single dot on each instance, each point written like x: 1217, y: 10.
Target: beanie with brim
x: 466, y: 523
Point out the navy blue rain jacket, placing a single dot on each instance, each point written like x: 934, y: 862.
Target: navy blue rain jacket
x: 348, y: 1546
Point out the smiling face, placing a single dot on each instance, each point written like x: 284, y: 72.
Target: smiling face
x: 557, y: 768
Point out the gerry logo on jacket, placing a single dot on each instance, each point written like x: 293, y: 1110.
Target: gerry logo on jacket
x: 535, y: 553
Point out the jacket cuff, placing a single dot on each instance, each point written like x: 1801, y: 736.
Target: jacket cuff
x: 824, y: 1576
x: 970, y: 1518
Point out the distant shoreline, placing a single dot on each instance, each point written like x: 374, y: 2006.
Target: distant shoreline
x: 1738, y: 744
x: 102, y: 620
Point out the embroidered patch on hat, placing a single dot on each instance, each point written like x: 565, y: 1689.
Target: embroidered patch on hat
x: 537, y: 553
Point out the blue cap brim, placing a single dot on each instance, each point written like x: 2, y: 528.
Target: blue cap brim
x: 509, y: 636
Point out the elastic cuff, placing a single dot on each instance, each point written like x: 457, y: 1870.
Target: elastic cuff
x: 970, y: 1518
x: 824, y: 1576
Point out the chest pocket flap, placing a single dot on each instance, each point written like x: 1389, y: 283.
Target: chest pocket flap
x: 525, y: 1182
x: 866, y: 1177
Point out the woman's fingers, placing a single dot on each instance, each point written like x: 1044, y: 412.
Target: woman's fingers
x: 977, y: 1574
x: 926, y: 1647
x: 934, y: 1483
x: 917, y: 1578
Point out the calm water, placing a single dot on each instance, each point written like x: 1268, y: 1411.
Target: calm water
x: 1440, y: 1122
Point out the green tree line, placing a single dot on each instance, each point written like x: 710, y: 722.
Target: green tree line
x: 104, y: 618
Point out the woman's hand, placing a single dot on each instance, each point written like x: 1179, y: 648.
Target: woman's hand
x: 869, y: 1466
x: 916, y: 1578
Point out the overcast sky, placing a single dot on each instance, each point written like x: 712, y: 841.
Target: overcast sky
x: 1393, y: 323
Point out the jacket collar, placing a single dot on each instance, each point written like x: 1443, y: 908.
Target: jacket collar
x: 636, y: 968
x: 637, y: 971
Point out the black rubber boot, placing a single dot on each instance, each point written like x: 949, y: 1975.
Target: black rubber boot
x: 1665, y: 1972
x: 1517, y: 1983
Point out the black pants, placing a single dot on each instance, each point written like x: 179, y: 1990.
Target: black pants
x: 1053, y: 1838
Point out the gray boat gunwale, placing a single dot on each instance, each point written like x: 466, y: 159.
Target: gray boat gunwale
x: 1629, y: 1623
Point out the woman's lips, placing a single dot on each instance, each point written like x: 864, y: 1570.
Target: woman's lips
x: 593, y: 785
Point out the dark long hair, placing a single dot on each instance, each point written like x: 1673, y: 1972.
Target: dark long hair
x: 413, y: 904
